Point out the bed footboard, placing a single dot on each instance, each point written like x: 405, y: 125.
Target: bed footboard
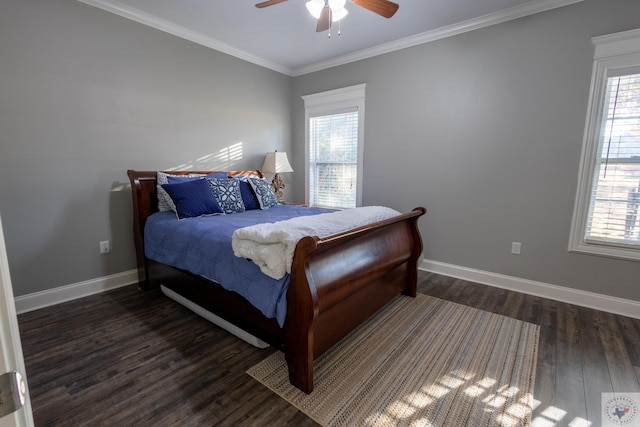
x: 339, y: 282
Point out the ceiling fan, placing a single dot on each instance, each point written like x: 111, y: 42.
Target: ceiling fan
x: 326, y: 14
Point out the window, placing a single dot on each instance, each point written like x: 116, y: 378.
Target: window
x: 607, y: 211
x: 334, y: 147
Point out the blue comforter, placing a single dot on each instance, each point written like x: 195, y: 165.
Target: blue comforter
x: 203, y: 246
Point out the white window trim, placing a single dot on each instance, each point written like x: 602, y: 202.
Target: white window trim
x: 614, y: 51
x: 326, y: 103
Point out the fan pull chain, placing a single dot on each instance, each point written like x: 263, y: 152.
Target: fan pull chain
x: 339, y: 29
x: 326, y: 2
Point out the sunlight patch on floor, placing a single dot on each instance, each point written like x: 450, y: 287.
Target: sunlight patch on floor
x: 579, y: 422
x: 553, y: 413
x: 404, y: 409
x: 552, y: 416
x: 479, y: 388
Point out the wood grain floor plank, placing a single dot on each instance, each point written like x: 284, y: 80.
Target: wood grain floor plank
x: 544, y: 393
x: 570, y: 405
x: 568, y: 343
x: 618, y: 359
x: 546, y: 387
x: 548, y: 341
x: 630, y: 331
x: 596, y: 376
x: 513, y: 305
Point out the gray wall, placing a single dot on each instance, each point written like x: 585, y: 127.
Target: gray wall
x: 86, y: 95
x: 485, y: 130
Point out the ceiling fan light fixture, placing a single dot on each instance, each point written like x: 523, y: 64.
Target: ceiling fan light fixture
x: 315, y: 7
x: 337, y: 15
x: 338, y: 11
x: 326, y: 11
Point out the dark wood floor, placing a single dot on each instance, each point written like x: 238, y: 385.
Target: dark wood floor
x: 133, y: 358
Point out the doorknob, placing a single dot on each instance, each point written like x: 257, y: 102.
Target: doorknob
x: 12, y: 392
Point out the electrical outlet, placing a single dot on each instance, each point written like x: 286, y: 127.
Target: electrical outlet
x: 516, y: 247
x: 105, y: 247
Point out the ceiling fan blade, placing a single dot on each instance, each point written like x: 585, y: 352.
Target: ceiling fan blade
x: 384, y: 8
x: 324, y: 22
x: 269, y: 3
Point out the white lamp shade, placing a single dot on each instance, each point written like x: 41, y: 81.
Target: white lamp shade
x: 276, y: 162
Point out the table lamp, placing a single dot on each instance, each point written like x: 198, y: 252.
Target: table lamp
x: 277, y: 162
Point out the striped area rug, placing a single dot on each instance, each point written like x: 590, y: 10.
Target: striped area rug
x: 420, y: 362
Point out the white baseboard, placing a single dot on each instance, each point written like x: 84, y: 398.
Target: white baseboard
x: 620, y: 306
x: 61, y: 294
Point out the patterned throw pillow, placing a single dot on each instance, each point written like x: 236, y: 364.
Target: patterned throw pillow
x: 165, y: 203
x: 227, y: 192
x: 193, y: 198
x: 264, y: 192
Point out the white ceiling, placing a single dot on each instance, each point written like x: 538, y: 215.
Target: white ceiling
x: 282, y: 37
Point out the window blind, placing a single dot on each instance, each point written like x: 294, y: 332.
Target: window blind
x: 615, y: 196
x: 333, y: 159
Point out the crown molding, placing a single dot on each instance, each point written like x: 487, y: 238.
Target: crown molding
x: 182, y: 32
x: 530, y: 8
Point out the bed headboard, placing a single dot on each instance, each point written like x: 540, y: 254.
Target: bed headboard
x: 145, y: 203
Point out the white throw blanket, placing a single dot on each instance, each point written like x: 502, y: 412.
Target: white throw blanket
x: 271, y: 245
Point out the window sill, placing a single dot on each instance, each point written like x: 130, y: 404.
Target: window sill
x: 627, y: 254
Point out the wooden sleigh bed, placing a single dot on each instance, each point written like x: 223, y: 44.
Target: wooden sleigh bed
x: 336, y: 282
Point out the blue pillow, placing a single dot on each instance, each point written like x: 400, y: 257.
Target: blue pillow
x: 264, y: 192
x: 227, y: 192
x: 164, y: 200
x: 248, y: 196
x: 193, y: 198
